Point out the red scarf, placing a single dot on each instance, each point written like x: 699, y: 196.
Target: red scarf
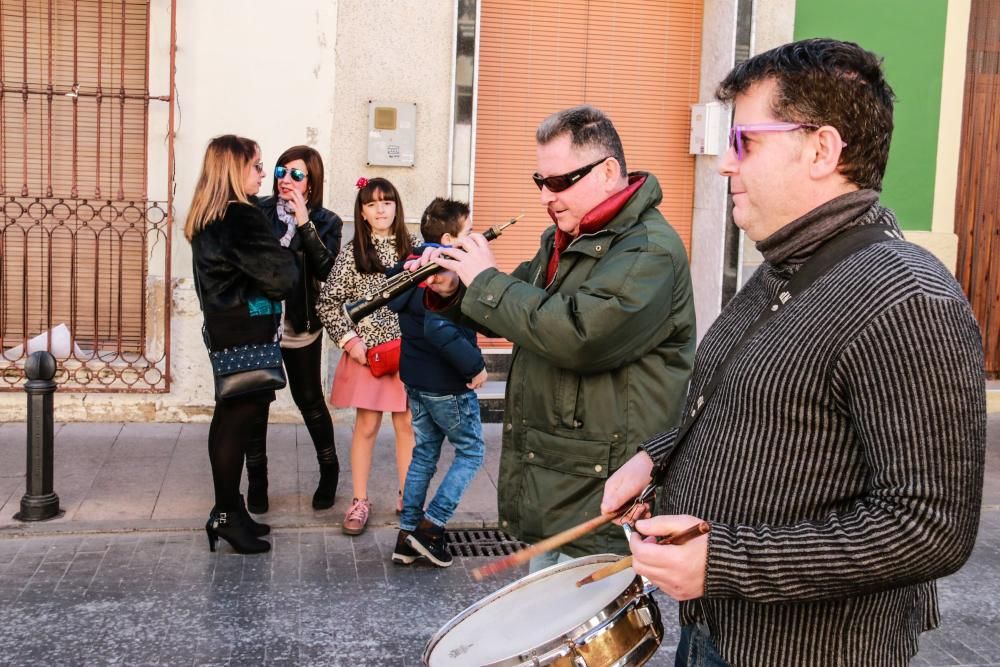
x: 594, y: 221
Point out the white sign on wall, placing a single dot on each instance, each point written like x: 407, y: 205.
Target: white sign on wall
x: 392, y: 133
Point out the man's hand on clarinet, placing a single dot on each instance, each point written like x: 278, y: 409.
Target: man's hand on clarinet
x: 625, y: 484
x: 444, y: 283
x: 467, y: 258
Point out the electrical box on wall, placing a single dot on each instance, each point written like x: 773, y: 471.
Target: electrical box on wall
x: 708, y: 128
x: 392, y: 133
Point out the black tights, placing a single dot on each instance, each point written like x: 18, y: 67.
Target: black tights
x: 235, y: 423
x: 302, y: 366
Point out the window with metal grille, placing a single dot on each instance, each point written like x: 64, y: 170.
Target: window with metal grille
x: 78, y: 230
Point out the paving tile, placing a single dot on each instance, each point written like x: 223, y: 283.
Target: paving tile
x: 69, y: 595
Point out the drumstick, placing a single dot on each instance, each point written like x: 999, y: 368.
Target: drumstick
x: 549, y: 543
x: 619, y: 565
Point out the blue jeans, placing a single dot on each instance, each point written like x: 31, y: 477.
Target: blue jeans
x: 547, y: 559
x: 696, y: 648
x: 434, y: 417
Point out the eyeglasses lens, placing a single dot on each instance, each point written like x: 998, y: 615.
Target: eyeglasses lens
x: 736, y: 141
x: 564, y: 181
x: 297, y: 174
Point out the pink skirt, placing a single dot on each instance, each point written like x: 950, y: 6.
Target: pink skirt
x: 355, y: 387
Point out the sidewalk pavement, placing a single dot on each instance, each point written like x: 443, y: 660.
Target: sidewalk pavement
x: 124, y: 578
x: 136, y: 476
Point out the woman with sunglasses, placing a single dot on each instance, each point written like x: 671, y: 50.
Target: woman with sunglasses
x: 380, y: 241
x: 241, y: 274
x: 312, y: 232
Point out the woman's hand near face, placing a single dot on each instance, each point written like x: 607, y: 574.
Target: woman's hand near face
x: 298, y: 204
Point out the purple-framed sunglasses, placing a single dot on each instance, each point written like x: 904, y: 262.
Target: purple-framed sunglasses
x: 737, y: 131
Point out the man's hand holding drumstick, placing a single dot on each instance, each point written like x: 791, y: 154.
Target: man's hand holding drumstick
x: 678, y: 570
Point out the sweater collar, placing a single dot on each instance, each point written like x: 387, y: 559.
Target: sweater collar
x: 793, y: 244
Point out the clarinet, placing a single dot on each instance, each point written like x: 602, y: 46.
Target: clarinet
x: 407, y: 280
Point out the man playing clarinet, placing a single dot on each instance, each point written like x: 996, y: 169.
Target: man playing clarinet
x: 602, y: 321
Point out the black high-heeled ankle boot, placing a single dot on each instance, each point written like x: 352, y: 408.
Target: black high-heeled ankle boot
x: 259, y: 529
x: 257, y: 487
x: 326, y: 490
x: 233, y: 528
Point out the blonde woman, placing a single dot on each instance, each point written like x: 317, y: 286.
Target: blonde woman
x: 242, y: 273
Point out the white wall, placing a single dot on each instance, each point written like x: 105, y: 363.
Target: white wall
x: 282, y: 74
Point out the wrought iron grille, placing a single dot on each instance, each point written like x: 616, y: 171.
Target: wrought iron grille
x: 84, y: 250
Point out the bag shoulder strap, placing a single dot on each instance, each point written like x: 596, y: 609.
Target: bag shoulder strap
x: 831, y: 253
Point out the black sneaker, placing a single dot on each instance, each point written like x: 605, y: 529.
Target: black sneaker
x: 404, y: 554
x: 428, y: 540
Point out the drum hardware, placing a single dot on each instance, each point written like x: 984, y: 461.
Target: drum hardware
x: 614, y: 624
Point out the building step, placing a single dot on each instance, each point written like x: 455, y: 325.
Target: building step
x: 491, y: 401
x: 497, y: 362
x: 491, y: 394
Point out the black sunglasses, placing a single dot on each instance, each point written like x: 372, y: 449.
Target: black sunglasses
x: 564, y: 181
x: 297, y: 174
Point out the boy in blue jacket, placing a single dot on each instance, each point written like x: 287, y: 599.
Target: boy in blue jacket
x: 441, y: 366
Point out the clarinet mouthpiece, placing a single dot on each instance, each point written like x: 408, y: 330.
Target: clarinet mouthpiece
x: 497, y: 230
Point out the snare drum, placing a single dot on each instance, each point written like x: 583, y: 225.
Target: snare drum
x: 544, y: 619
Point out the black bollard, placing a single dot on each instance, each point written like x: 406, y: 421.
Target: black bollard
x: 39, y: 502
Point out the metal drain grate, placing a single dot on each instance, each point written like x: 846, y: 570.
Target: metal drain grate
x: 479, y: 543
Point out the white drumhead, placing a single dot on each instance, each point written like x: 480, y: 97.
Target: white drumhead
x: 529, y: 615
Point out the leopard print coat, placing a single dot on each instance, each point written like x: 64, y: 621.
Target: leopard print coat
x: 346, y: 284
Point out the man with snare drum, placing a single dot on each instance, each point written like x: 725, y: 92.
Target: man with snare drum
x: 838, y: 453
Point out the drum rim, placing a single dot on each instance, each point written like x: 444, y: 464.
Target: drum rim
x: 627, y: 594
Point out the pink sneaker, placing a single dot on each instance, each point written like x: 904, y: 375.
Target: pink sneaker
x: 357, y: 517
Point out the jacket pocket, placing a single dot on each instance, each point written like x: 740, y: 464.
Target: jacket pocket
x: 566, y: 399
x: 562, y: 485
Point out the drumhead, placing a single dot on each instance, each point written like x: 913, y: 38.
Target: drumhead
x: 527, y: 614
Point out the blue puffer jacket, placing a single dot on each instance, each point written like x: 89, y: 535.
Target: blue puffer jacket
x: 438, y: 355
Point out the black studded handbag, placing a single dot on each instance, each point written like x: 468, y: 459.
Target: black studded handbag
x: 244, y: 369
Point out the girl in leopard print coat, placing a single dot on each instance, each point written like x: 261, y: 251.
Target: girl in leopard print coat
x: 380, y: 241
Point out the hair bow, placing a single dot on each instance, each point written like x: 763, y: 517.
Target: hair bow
x: 362, y: 182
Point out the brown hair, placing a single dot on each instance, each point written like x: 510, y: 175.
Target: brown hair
x: 221, y: 180
x: 827, y: 82
x: 365, y: 257
x: 314, y: 173
x: 443, y: 216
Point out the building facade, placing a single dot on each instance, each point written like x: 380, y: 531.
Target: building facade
x: 107, y: 108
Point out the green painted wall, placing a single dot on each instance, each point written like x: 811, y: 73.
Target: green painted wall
x: 909, y: 35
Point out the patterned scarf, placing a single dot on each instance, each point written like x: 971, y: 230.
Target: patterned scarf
x: 286, y: 216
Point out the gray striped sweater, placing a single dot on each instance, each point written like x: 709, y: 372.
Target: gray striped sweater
x: 840, y: 461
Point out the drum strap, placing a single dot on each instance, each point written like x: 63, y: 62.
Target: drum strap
x: 831, y: 253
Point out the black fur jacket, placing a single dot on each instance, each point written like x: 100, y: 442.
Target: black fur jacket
x: 238, y: 265
x: 315, y: 245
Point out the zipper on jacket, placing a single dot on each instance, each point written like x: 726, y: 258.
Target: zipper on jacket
x: 305, y: 289
x: 556, y: 274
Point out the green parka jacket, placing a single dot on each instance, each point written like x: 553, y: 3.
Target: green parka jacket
x: 601, y: 362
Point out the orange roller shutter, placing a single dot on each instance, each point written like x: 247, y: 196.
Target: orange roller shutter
x: 638, y: 61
